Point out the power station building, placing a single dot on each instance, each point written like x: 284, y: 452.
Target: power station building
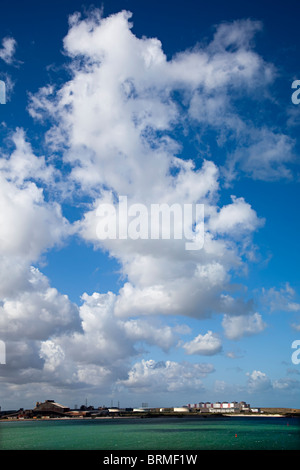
x: 218, y: 407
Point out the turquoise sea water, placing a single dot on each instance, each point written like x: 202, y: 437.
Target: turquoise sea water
x: 233, y: 433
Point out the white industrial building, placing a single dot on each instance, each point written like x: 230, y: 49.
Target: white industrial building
x: 221, y: 407
x: 181, y: 409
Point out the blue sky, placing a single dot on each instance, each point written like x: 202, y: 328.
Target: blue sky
x: 173, y: 103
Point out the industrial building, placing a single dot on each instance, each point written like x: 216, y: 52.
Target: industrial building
x: 220, y: 407
x: 50, y: 408
x: 181, y: 409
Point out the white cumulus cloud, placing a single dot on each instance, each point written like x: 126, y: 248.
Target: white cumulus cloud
x: 114, y: 124
x: 206, y: 345
x: 236, y: 327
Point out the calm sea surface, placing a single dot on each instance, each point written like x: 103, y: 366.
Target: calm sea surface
x: 153, y: 434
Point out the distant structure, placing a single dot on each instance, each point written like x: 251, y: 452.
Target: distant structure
x: 50, y: 408
x: 218, y: 407
x: 181, y: 409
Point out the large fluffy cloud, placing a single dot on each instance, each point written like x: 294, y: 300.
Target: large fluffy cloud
x: 115, y: 115
x: 100, y: 353
x: 119, y: 104
x: 151, y: 376
x: 116, y: 124
x: 29, y: 223
x: 31, y: 310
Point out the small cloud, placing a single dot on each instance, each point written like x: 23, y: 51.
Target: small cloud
x: 234, y: 354
x: 286, y: 384
x: 8, y: 50
x: 243, y: 325
x: 258, y: 381
x: 280, y: 299
x: 206, y: 345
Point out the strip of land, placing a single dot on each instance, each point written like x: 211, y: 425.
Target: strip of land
x: 264, y: 412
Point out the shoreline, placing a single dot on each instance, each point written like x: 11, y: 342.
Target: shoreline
x: 145, y: 416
